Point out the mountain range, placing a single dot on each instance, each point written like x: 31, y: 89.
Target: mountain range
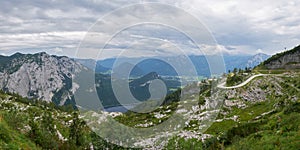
x: 264, y: 114
x: 49, y: 78
x: 163, y: 68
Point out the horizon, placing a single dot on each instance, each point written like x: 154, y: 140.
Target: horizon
x: 61, y: 55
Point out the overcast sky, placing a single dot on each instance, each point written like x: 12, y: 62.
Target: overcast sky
x: 58, y: 27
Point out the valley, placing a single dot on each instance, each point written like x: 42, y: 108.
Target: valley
x: 149, y: 75
x: 259, y: 106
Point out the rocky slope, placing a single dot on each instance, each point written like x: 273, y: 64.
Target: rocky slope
x: 286, y: 60
x: 266, y: 107
x: 39, y: 76
x: 36, y: 125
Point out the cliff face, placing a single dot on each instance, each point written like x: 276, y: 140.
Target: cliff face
x: 40, y: 76
x: 286, y: 60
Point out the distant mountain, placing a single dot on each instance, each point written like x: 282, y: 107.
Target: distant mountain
x: 243, y: 61
x: 256, y: 60
x: 142, y: 68
x: 123, y: 68
x: 161, y: 66
x: 285, y: 60
x: 199, y: 62
x: 91, y: 64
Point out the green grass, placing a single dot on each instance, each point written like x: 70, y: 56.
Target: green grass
x: 279, y: 132
x: 218, y: 128
x: 253, y: 111
x: 11, y: 139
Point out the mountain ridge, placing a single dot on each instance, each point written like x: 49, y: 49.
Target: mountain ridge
x: 40, y: 76
x: 285, y: 60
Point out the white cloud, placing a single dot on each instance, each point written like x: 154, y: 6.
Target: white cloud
x: 58, y: 50
x: 239, y: 26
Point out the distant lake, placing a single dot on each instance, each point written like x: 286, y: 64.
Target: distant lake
x: 121, y: 109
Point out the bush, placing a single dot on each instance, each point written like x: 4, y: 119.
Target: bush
x: 292, y: 108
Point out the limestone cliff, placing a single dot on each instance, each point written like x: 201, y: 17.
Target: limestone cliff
x: 39, y: 76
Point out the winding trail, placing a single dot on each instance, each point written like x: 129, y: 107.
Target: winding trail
x: 223, y: 85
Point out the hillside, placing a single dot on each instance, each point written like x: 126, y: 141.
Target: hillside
x: 29, y: 124
x: 260, y: 115
x: 285, y: 60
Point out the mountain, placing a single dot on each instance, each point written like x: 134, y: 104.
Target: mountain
x: 162, y: 66
x: 263, y: 114
x: 49, y: 78
x: 285, y: 60
x: 243, y: 61
x: 39, y: 76
x: 122, y: 69
x: 139, y: 88
x: 256, y: 60
x: 91, y: 64
x: 199, y: 62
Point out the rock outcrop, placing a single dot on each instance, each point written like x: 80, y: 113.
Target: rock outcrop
x: 286, y: 60
x: 39, y: 76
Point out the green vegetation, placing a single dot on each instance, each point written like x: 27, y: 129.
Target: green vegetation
x: 267, y: 124
x: 34, y: 124
x: 181, y: 143
x: 238, y: 76
x: 11, y: 139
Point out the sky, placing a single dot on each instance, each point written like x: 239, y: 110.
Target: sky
x: 66, y: 27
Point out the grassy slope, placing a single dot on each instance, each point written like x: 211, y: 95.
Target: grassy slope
x: 11, y: 139
x: 278, y: 128
x: 25, y: 124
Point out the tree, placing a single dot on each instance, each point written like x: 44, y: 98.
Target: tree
x: 77, y: 135
x: 235, y: 70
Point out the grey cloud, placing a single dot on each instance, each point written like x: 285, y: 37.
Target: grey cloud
x: 239, y: 26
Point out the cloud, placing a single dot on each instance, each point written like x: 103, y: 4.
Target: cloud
x: 58, y: 50
x: 249, y: 24
x: 238, y: 26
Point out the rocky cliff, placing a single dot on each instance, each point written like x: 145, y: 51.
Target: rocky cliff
x: 286, y: 60
x: 39, y: 76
